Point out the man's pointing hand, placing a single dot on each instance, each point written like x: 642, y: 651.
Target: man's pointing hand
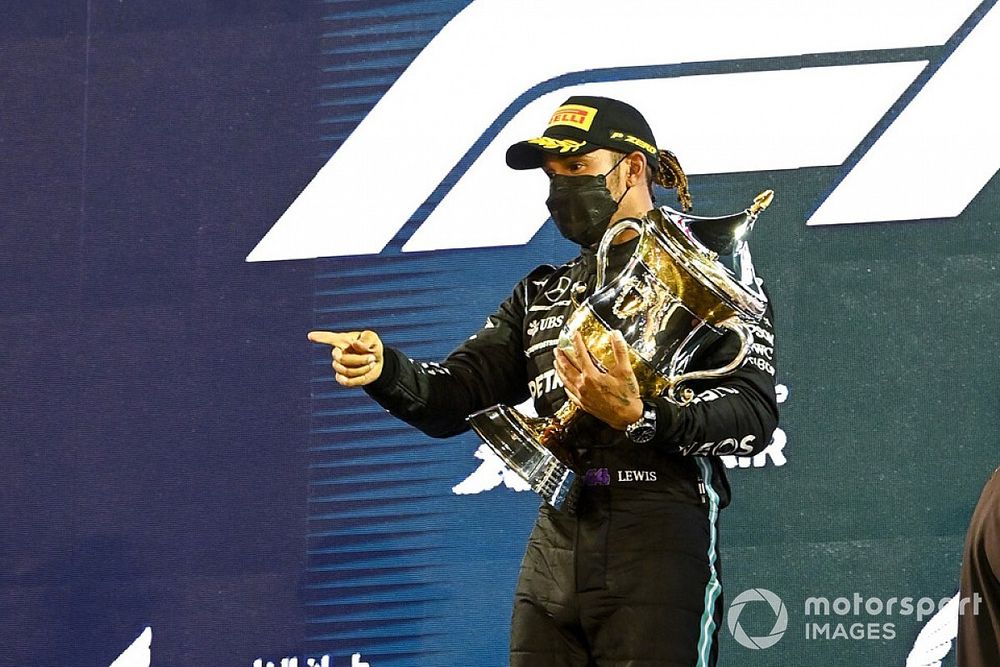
x: 357, y: 355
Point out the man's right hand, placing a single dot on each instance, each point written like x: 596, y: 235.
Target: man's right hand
x: 357, y: 355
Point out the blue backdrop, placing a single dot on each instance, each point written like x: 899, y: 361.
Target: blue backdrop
x: 177, y: 456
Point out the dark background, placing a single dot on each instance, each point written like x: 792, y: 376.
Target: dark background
x: 153, y: 402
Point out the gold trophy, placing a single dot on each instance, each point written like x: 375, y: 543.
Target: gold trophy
x: 689, y: 280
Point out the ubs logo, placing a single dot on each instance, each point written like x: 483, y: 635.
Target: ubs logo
x: 544, y: 324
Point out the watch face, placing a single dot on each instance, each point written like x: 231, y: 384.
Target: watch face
x: 642, y: 433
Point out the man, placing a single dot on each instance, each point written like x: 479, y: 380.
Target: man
x: 632, y: 576
x: 979, y: 620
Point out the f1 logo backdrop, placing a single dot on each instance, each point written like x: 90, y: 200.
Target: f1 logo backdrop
x: 741, y: 86
x: 849, y: 121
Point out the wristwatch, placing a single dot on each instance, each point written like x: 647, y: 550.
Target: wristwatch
x: 643, y: 429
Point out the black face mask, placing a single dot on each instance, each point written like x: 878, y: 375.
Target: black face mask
x: 582, y: 206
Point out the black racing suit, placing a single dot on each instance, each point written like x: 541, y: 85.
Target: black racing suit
x: 632, y: 577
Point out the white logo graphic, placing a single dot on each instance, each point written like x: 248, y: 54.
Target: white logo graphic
x: 948, y: 123
x: 743, y: 121
x: 489, y: 475
x: 934, y: 641
x: 323, y: 661
x: 775, y: 450
x: 138, y: 653
x: 493, y: 471
x: 776, y: 606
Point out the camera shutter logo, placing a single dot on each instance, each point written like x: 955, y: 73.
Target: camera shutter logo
x: 776, y: 606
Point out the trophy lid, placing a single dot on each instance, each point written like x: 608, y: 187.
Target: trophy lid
x: 723, y: 234
x: 715, y: 250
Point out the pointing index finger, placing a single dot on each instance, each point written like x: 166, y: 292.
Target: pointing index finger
x: 332, y: 338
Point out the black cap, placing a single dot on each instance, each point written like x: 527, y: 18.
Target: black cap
x: 583, y: 124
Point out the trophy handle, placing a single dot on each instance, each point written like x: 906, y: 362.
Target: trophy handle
x: 612, y: 233
x: 684, y: 395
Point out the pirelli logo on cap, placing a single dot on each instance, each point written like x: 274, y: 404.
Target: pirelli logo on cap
x: 574, y: 115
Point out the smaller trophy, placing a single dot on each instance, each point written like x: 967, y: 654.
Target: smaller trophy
x: 689, y: 281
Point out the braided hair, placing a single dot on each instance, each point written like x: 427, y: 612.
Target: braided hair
x: 670, y: 175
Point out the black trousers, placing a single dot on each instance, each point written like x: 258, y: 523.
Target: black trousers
x: 630, y: 580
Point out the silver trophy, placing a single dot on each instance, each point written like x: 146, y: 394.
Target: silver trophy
x: 689, y: 281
